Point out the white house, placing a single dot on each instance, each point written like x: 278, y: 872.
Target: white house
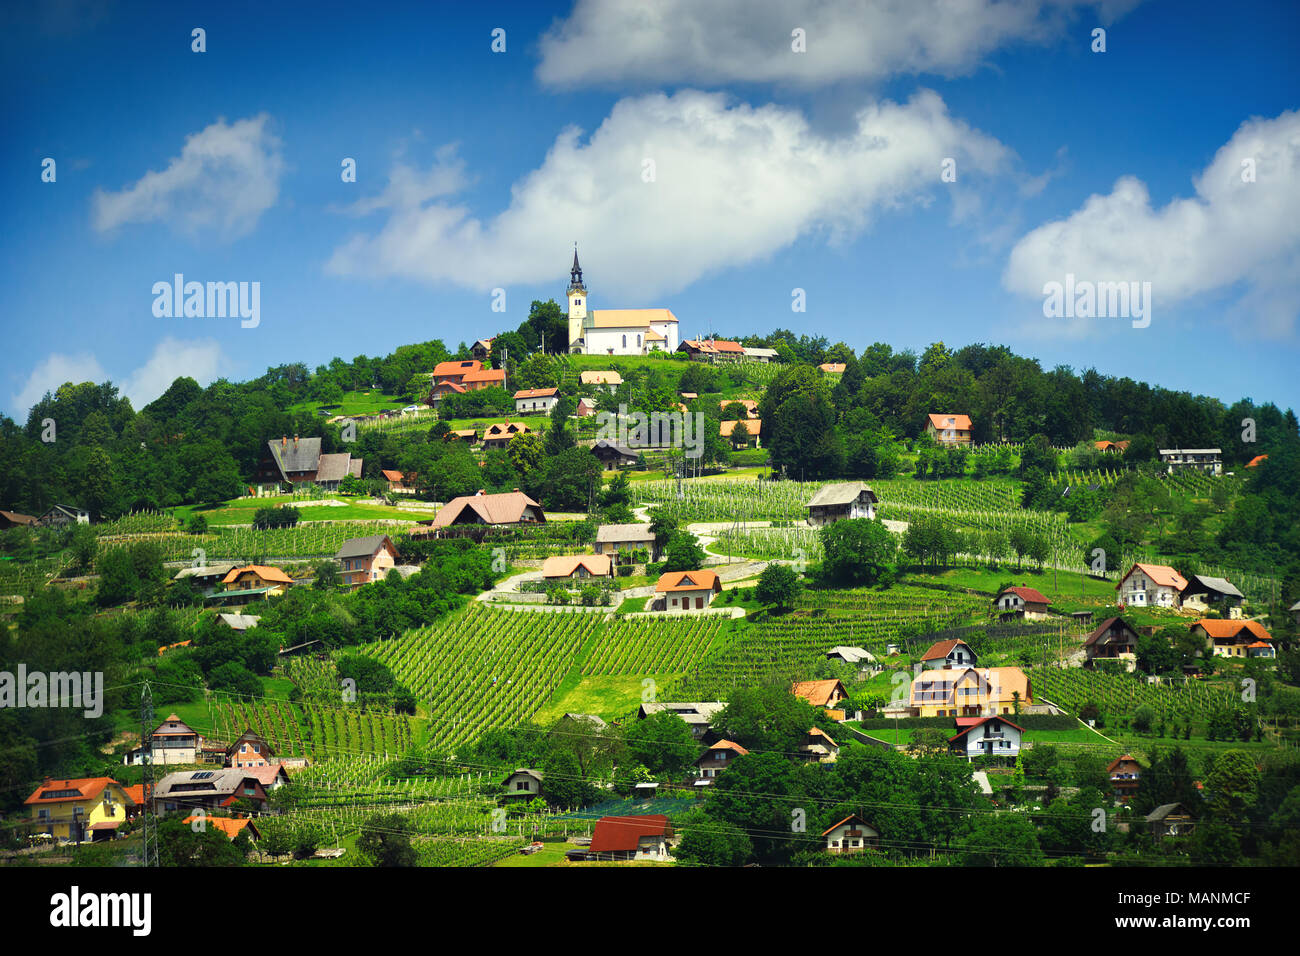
x: 945, y: 655
x: 848, y: 499
x: 539, y: 400
x: 1209, y: 460
x: 1023, y: 602
x: 615, y: 331
x: 524, y: 783
x: 986, y: 737
x: 684, y: 590
x: 1151, y: 585
x: 850, y: 835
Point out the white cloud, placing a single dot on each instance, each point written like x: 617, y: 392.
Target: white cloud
x: 48, y: 375
x: 201, y: 359
x: 732, y: 184
x: 226, y: 176
x: 724, y: 41
x: 1230, y: 232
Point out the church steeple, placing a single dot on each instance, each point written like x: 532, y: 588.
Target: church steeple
x: 575, y: 274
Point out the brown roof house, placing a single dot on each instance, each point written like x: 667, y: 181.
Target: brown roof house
x: 1151, y: 585
x: 498, y: 434
x: 576, y: 567
x: 619, y: 540
x: 362, y: 560
x: 1021, y: 602
x: 1234, y: 638
x: 947, y: 654
x: 209, y: 789
x: 631, y: 838
x: 509, y: 508
x: 949, y: 429
x: 716, y: 759
x: 686, y: 590
x: 1112, y: 639
x: 1125, y: 772
x: 820, y: 693
x: 850, y: 835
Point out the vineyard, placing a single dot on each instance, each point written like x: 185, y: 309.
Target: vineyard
x: 790, y: 646
x: 313, y: 539
x: 484, y: 668
x: 645, y: 646
x: 312, y: 730
x: 1123, y: 694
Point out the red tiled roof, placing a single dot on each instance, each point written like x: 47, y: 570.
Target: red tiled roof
x: 1254, y: 462
x: 688, y: 581
x: 1161, y: 574
x: 1221, y: 630
x: 817, y: 692
x: 88, y: 788
x: 265, y: 572
x: 940, y: 650
x: 959, y: 423
x: 536, y: 393
x: 1028, y: 595
x: 622, y: 834
x: 968, y: 728
x: 456, y: 368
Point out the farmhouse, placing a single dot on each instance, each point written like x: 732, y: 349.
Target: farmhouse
x: 1151, y: 585
x: 1204, y: 593
x: 523, y: 783
x: 584, y: 408
x: 948, y: 654
x: 820, y: 693
x: 608, y: 379
x: 1208, y: 460
x: 1021, y: 602
x: 613, y: 455
x: 441, y: 390
x: 615, y: 331
x: 454, y: 371
x: 620, y: 540
x: 717, y: 758
x: 577, y: 567
x: 12, y: 519
x: 850, y: 655
x: 742, y: 433
x: 683, y: 590
x: 60, y: 516
x: 847, y: 499
x: 1170, y: 820
x: 536, y: 400
x: 631, y: 838
x: 1111, y: 447
x: 949, y: 429
x: 1112, y: 639
x: 332, y: 469
x: 761, y: 355
x: 969, y: 692
x: 362, y: 560
x: 498, y: 434
x: 696, y: 714
x: 712, y: 350
x: 79, y: 809
x: 482, y: 349
x: 398, y: 483
x: 986, y: 737
x: 205, y: 578
x: 1125, y: 772
x: 850, y: 835
x: 256, y: 579
x: 174, y: 741
x: 249, y: 750
x: 511, y: 508
x: 820, y: 746
x: 1233, y: 638
x: 209, y: 789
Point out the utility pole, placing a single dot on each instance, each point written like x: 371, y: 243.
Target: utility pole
x: 149, y: 828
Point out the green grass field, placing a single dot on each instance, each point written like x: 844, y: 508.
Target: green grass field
x: 241, y: 510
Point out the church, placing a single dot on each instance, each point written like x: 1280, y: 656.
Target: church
x: 615, y: 331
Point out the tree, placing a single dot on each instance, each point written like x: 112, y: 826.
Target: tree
x: 768, y: 719
x: 1001, y: 839
x: 327, y: 577
x: 180, y: 844
x: 683, y: 552
x: 1232, y: 785
x: 709, y: 842
x: 778, y: 586
x: 384, y: 841
x: 858, y: 551
x: 662, y: 743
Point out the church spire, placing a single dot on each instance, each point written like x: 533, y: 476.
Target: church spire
x: 575, y: 274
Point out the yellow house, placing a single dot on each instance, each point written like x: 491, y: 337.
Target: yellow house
x: 969, y: 691
x: 78, y: 810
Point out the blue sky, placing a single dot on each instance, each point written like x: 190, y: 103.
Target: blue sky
x: 773, y: 170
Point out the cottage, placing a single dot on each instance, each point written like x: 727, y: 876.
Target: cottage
x: 742, y: 432
x: 12, y: 519
x: 271, y: 776
x: 696, y: 714
x: 482, y: 349
x: 205, y: 578
x: 622, y: 540
x: 398, y: 483
x: 230, y: 826
x: 249, y: 583
x: 683, y: 590
x: 609, y: 380
x: 969, y: 692
x: 712, y: 350
x: 288, y: 461
x: 332, y: 469
x: 498, y: 434
x: 820, y: 746
x: 469, y: 436
x: 986, y: 737
x: 442, y: 389
x: 631, y: 838
x: 850, y: 835
x: 1125, y: 773
x: 1208, y: 460
x: 1021, y: 602
x: 1111, y: 447
x: 536, y: 400
x: 363, y: 560
x: 1112, y: 639
x: 843, y: 500
x: 209, y: 789
x: 1170, y: 820
x: 79, y: 809
x: 948, y: 654
x: 1232, y: 638
x: 820, y: 693
x: 949, y: 429
x: 1204, y: 593
x: 718, y: 758
x: 584, y: 408
x: 61, y: 516
x: 761, y: 355
x: 613, y: 455
x: 512, y: 508
x: 851, y: 655
x: 1151, y: 585
x: 523, y: 783
x: 577, y: 567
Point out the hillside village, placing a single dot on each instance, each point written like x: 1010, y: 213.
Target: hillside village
x: 425, y: 610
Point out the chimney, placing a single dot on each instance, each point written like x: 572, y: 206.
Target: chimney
x: 295, y: 441
x: 479, y: 492
x: 516, y: 490
x: 284, y: 440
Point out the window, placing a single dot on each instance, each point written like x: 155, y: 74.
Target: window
x: 625, y: 341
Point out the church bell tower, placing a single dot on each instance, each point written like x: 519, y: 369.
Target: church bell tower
x: 577, y: 295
